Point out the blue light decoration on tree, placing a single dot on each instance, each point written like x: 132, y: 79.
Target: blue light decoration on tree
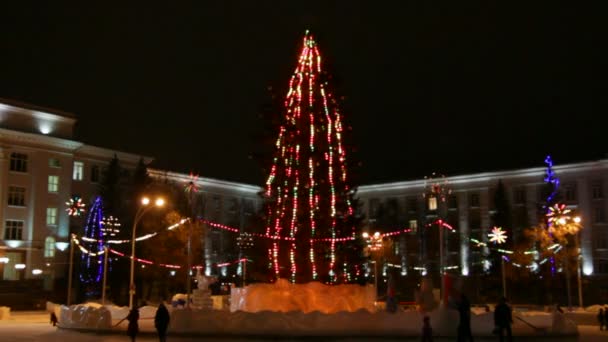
x: 91, y: 269
x: 552, y: 180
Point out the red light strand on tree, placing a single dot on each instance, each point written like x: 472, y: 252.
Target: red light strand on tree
x: 307, y: 188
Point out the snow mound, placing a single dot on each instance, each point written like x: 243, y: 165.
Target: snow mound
x: 85, y: 316
x: 284, y: 296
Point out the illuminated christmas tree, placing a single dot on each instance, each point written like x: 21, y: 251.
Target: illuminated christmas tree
x: 309, y: 206
x: 91, y: 265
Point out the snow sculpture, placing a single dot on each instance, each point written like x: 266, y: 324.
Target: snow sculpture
x: 284, y: 296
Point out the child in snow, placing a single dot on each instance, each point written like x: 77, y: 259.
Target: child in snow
x: 53, y: 319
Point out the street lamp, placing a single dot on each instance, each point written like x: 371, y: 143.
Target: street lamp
x: 374, y: 244
x: 145, y: 201
x: 499, y: 236
x: 563, y: 222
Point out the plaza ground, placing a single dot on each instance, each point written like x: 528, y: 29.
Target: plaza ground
x: 34, y: 326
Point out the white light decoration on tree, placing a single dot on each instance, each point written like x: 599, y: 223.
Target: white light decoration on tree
x: 110, y: 226
x: 498, y: 235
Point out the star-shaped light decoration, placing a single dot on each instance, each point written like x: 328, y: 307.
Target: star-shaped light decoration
x: 498, y: 236
x: 75, y: 206
x: 191, y: 187
x: 558, y: 214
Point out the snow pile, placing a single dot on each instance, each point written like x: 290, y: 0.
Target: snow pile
x: 361, y: 322
x: 284, y: 296
x: 296, y: 323
x: 5, y: 312
x: 87, y: 316
x: 596, y: 308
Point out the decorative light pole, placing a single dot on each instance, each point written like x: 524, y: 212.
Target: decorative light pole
x: 191, y: 189
x: 562, y: 223
x: 145, y: 201
x: 437, y: 190
x: 374, y: 244
x: 499, y: 236
x: 244, y: 241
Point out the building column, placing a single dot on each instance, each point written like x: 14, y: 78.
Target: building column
x: 463, y: 225
x: 485, y: 222
x: 584, y: 201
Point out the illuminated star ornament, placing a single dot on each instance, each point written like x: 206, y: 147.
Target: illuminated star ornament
x: 557, y: 214
x: 191, y: 187
x: 75, y: 206
x: 498, y: 235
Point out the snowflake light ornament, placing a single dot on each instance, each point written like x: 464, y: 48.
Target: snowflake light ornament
x: 498, y: 236
x: 75, y: 206
x: 558, y: 214
x: 191, y: 187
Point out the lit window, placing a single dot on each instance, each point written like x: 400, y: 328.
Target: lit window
x: 18, y: 162
x: 414, y: 225
x: 432, y: 203
x: 13, y: 230
x: 16, y: 196
x: 94, y: 173
x: 49, y: 247
x: 54, y: 162
x: 78, y: 170
x: 51, y: 216
x: 53, y: 184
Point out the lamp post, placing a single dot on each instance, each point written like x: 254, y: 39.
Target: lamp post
x: 565, y: 224
x: 374, y: 244
x: 578, y: 220
x: 436, y: 191
x: 70, y: 273
x: 244, y: 241
x: 145, y: 201
x: 499, y: 236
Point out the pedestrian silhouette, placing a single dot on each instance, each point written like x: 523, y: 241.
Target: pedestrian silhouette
x: 600, y: 319
x: 133, y: 327
x: 503, y: 319
x: 427, y: 331
x: 161, y: 322
x: 464, y: 326
x: 53, y: 319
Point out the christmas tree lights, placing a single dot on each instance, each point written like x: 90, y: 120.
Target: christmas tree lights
x: 92, y: 265
x: 308, y: 197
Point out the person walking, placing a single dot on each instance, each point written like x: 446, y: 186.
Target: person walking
x: 601, y: 319
x: 133, y: 327
x: 53, y: 318
x: 427, y: 331
x: 503, y: 319
x: 606, y: 318
x: 464, y: 326
x: 161, y: 322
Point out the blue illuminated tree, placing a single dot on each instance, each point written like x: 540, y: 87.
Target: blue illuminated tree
x: 91, y: 265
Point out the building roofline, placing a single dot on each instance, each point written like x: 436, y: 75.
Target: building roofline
x: 20, y: 107
x: 204, y: 182
x: 94, y: 151
x: 39, y: 139
x: 488, y: 176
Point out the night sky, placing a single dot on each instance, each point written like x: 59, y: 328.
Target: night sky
x: 451, y: 88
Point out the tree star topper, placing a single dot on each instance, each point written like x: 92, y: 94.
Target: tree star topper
x: 498, y: 235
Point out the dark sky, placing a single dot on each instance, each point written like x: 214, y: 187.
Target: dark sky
x: 429, y: 86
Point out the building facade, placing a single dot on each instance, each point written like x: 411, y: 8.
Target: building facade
x: 42, y: 167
